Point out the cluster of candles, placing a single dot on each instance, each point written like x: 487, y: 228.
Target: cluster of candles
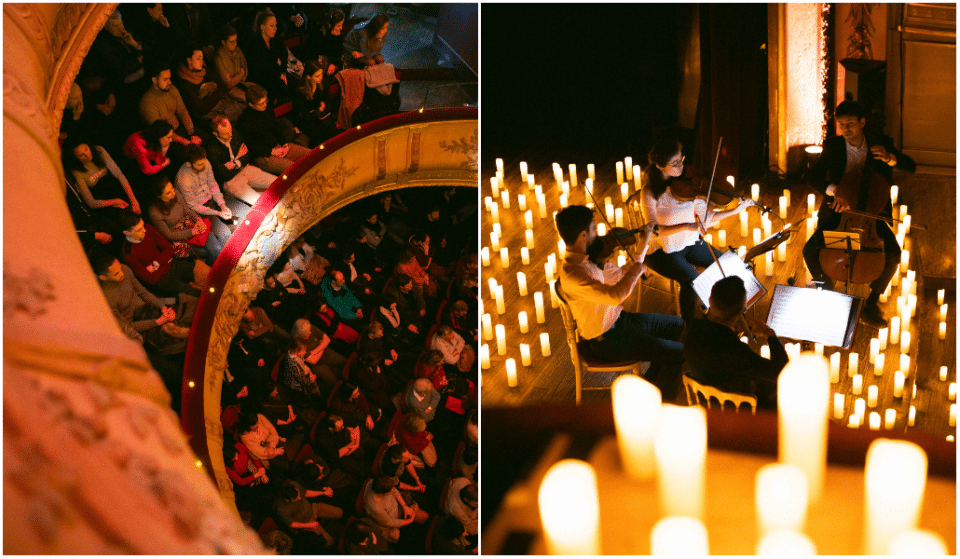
x: 669, y: 444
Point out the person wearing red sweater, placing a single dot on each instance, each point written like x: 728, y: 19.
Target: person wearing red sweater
x: 149, y: 147
x: 150, y: 256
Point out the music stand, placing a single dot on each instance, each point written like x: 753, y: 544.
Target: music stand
x: 732, y: 266
x: 838, y: 240
x: 814, y: 315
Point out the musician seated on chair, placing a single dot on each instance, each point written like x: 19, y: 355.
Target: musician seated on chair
x: 843, y: 154
x: 595, y: 295
x: 718, y: 358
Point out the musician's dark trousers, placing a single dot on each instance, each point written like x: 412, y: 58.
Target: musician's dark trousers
x: 679, y: 266
x: 891, y: 250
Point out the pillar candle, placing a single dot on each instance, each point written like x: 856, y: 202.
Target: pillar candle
x: 522, y: 202
x: 495, y: 212
x: 511, y: 373
x: 522, y: 283
x: 853, y: 364
x: 878, y: 365
x: 857, y: 384
x: 943, y: 312
x: 484, y: 356
x: 906, y: 224
x: 895, y: 479
x: 542, y: 203
x: 904, y: 260
x: 885, y: 294
x: 783, y: 207
x: 943, y: 373
x: 538, y: 303
x: 904, y: 342
x: 895, y: 280
x: 525, y: 255
x: 917, y: 542
x: 487, y: 327
x: 523, y: 171
x: 570, y: 509
x: 636, y: 410
x: 895, y: 330
x: 882, y: 335
x: 811, y: 200
x: 765, y: 352
x: 554, y: 299
x: 522, y: 319
x: 744, y: 228
x: 781, y: 498
x: 492, y: 283
x: 943, y: 330
x: 912, y: 416
x: 494, y: 241
x: 722, y: 238
x: 803, y: 396
x: 501, y: 340
x: 786, y: 194
x: 912, y: 299
x: 838, y: 404
x: 731, y: 180
x: 756, y: 235
x: 485, y: 256
x: 499, y: 181
x: 953, y: 415
x: 505, y: 197
x: 810, y: 227
x: 545, y: 344
x: 504, y: 258
x: 563, y: 200
x: 874, y: 421
x: 636, y: 178
x: 497, y: 230
x: 782, y: 252
x: 562, y: 249
x: 494, y: 187
x: 742, y: 252
x: 529, y: 235
x: 854, y: 421
x: 940, y: 295
x: 573, y: 175
x: 624, y: 192
x: 905, y: 364
x: 548, y: 270
x: 525, y: 355
x: 588, y: 186
x: 894, y: 194
x: 873, y: 393
x: 769, y: 258
x: 952, y: 391
x: 558, y: 175
x: 628, y: 167
x: 898, y: 381
x: 680, y: 446
x: 679, y: 535
x: 889, y: 418
x: 860, y: 407
x: 601, y: 229
x: 500, y: 164
x: 528, y: 219
x: 619, y: 172
x: 755, y: 192
x: 874, y: 349
x: 818, y: 349
x: 618, y: 217
x: 565, y: 187
x: 835, y: 368
x: 767, y: 226
x: 501, y: 308
x: 608, y: 211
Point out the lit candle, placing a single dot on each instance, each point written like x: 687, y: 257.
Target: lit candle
x: 484, y: 356
x: 505, y: 196
x: 487, y: 327
x: 722, y: 238
x: 538, y: 303
x: 495, y: 212
x: 940, y: 295
x: 731, y: 180
x: 889, y: 418
x: 878, y: 365
x: 755, y: 192
x: 511, y: 373
x: 895, y: 330
x: 522, y: 202
x: 854, y: 421
x: 943, y: 330
x: 874, y: 421
x: 542, y: 203
x: 485, y: 256
x: 522, y: 283
x: 895, y: 479
x: 904, y: 342
x: 857, y: 384
x: 636, y: 410
x: 912, y: 299
x: 525, y: 355
x: 905, y: 364
x: 811, y: 201
x: 548, y: 270
x: 769, y: 258
x: 522, y: 319
x: 882, y: 335
x: 904, y: 260
x: 608, y: 210
x: 708, y: 238
x: 785, y: 542
x: 680, y: 446
x: 562, y: 249
x: 781, y: 498
x: 525, y: 255
x: 499, y: 181
x: 744, y: 228
x: 570, y: 509
x: 894, y: 194
x: 492, y: 283
x: 943, y: 312
x: 618, y: 217
x: 494, y: 241
x: 573, y: 175
x: 496, y: 229
x: 783, y: 207
x: 860, y: 407
x: 504, y: 258
x: 619, y: 172
x: 765, y: 352
x: 782, y: 252
x: 495, y: 189
x: 853, y: 364
x: 563, y: 200
x: 898, y: 381
x: 873, y: 393
x: 895, y: 280
x: 756, y: 235
x: 767, y: 226
x: 554, y: 299
x: 601, y: 229
x: 838, y: 404
x: 529, y: 235
x: 528, y: 219
x: 545, y: 344
x: 624, y: 192
x: 943, y: 373
x: 912, y: 416
x: 501, y: 340
x: 742, y: 252
x: 523, y: 171
x: 811, y: 227
x: 917, y: 543
x: 501, y: 308
x: 885, y: 294
x: 565, y: 187
x: 558, y: 175
x: 906, y: 224
x: 952, y: 391
x: 835, y: 368
x: 953, y: 415
x: 628, y: 167
x: 500, y: 164
x: 679, y: 535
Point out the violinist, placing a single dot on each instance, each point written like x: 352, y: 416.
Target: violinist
x: 681, y: 236
x: 595, y: 296
x: 843, y: 154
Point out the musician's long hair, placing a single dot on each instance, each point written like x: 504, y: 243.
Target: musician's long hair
x: 660, y: 154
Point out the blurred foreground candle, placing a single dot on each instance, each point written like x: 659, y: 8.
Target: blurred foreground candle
x: 528, y: 219
x: 857, y: 387
x: 501, y: 340
x: 485, y: 256
x: 904, y: 342
x: 943, y: 373
x: 522, y: 283
x: 896, y: 476
x: 889, y: 418
x: 501, y: 307
x: 522, y: 319
x: 538, y: 303
x: 679, y: 535
x: 943, y: 330
x: 601, y: 229
x: 912, y: 416
x: 811, y: 201
x: 803, y: 398
x: 525, y: 255
x: 854, y: 421
x: 504, y: 258
x: 636, y: 410
x: 895, y: 330
x: 878, y: 365
x: 835, y: 368
x: 522, y: 202
x: 529, y: 235
x: 570, y: 509
x: 898, y: 381
x: 511, y: 373
x: 783, y: 207
x: 785, y: 542
x: 487, y: 327
x: 708, y: 238
x: 917, y: 543
x: 853, y: 364
x: 523, y: 171
x: 525, y: 355
x: 554, y: 300
x: 839, y: 401
x: 781, y: 498
x: 755, y: 192
x: 680, y: 445
x: 744, y: 227
x: 545, y: 344
x: 722, y: 238
x: 573, y: 174
x: 484, y: 356
x: 874, y: 421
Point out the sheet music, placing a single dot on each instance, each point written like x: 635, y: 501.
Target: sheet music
x: 810, y: 314
x: 732, y: 266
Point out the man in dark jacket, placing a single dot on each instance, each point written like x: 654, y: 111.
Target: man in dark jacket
x: 270, y: 139
x: 230, y: 159
x: 849, y: 152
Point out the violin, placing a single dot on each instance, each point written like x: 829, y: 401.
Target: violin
x: 617, y: 237
x: 692, y: 185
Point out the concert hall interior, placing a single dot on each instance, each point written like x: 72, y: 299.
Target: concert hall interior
x: 610, y: 83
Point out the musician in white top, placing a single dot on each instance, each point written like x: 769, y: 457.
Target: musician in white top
x: 680, y: 234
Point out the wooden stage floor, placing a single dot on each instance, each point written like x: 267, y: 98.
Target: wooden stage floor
x: 551, y: 379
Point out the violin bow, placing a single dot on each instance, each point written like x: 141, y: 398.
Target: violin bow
x: 743, y: 317
x: 706, y: 206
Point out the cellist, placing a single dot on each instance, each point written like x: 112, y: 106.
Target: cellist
x: 843, y: 154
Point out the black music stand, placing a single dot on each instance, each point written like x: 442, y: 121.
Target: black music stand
x: 814, y: 315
